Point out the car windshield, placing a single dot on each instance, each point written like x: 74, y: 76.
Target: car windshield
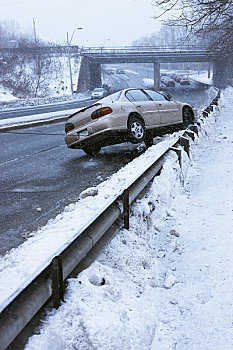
x: 111, y: 98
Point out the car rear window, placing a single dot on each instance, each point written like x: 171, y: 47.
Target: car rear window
x: 136, y: 95
x: 111, y: 98
x: 155, y: 95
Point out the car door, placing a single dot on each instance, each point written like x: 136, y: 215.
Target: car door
x: 145, y: 106
x: 168, y: 110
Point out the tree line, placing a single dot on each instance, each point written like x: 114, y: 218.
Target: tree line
x: 205, y: 21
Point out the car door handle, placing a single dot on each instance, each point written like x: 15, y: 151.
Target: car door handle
x: 138, y: 105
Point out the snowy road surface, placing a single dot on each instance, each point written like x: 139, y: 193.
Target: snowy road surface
x: 166, y: 283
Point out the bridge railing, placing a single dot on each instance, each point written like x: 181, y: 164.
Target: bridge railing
x: 143, y: 49
x: 79, y: 50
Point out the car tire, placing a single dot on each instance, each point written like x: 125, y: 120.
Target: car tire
x: 136, y: 130
x: 91, y: 150
x: 187, y: 114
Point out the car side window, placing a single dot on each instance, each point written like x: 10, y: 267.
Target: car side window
x: 136, y: 95
x: 155, y: 95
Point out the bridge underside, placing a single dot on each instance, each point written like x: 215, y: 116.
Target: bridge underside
x: 90, y: 70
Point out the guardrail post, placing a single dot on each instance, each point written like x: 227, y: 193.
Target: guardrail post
x: 184, y: 142
x: 57, y: 281
x: 194, y: 128
x: 190, y: 134
x: 211, y: 108
x: 214, y: 102
x: 126, y: 208
x: 178, y: 152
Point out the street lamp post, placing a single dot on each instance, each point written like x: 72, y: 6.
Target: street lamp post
x: 69, y: 60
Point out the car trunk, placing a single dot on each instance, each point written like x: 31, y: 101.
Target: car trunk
x: 83, y: 116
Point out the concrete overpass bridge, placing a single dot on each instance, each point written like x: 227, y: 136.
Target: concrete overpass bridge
x: 93, y: 58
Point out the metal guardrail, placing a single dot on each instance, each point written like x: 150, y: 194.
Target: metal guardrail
x: 47, y: 283
x: 153, y: 49
x: 158, y: 51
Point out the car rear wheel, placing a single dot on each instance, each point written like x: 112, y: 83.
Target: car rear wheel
x: 136, y: 130
x: 187, y: 116
x: 91, y: 150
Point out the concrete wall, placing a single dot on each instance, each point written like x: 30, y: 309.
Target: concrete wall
x: 89, y: 75
x: 156, y: 76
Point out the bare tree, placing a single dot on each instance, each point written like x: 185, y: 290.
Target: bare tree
x: 168, y: 36
x: 210, y: 20
x: 40, y: 66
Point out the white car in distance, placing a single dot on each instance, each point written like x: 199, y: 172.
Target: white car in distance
x: 98, y: 93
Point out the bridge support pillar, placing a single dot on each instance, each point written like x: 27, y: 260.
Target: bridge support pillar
x: 208, y: 71
x: 95, y: 72
x: 222, y: 71
x: 156, y: 75
x: 89, y: 75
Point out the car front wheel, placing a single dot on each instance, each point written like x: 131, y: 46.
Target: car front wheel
x: 91, y: 150
x: 136, y: 130
x: 187, y: 116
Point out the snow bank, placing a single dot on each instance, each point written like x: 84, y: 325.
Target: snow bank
x: 6, y: 96
x: 155, y: 285
x: 202, y: 78
x: 126, y: 299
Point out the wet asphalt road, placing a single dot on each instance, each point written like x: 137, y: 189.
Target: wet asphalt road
x: 40, y: 175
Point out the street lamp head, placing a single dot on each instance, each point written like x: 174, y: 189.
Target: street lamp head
x: 69, y: 42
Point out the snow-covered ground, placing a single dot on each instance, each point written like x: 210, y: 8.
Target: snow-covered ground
x: 203, y: 77
x: 164, y: 284
x: 58, y: 85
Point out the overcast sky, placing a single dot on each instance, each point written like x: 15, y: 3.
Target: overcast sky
x: 104, y: 22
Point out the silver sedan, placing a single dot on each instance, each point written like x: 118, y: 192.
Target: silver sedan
x: 129, y: 115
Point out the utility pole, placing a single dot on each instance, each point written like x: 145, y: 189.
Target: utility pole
x: 71, y: 79
x: 34, y: 29
x: 70, y: 68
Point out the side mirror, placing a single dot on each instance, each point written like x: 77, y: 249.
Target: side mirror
x: 168, y: 97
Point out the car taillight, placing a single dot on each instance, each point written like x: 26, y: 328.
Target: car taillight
x: 101, y: 112
x: 68, y: 127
